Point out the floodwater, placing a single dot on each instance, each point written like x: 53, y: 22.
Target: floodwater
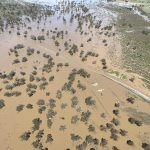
x: 13, y: 124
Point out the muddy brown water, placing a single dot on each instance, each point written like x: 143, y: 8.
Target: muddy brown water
x: 14, y: 123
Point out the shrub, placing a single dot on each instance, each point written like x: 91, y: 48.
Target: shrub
x: 30, y: 51
x: 130, y: 142
x: 16, y: 61
x: 114, y: 136
x: 40, y: 134
x: 63, y: 105
x: 41, y: 37
x: 2, y: 103
x: 146, y: 146
x: 74, y: 101
x: 49, y: 123
x: 41, y: 102
x: 138, y: 123
x: 115, y: 121
x: 131, y: 100
x: 51, y: 78
x: 116, y: 112
x: 131, y: 120
x: 33, y: 37
x: 89, y: 101
x: 75, y: 137
x: 123, y: 132
x: 19, y: 107
x: 49, y: 138
x: 29, y: 106
x: 41, y: 109
x: 62, y: 128
x: 103, y: 142
x: 109, y: 125
x: 91, y: 128
x: 85, y: 116
x: 114, y: 148
x: 19, y: 46
x: 25, y: 136
x: 51, y: 113
x: 74, y: 119
x: 24, y: 59
x: 52, y: 103
x: 36, y: 122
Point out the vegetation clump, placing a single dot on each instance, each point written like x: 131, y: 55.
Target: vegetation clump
x: 41, y: 38
x: 25, y: 136
x: 134, y: 121
x: 19, y: 108
x: 89, y: 101
x: 49, y: 138
x: 2, y: 103
x: 29, y: 106
x: 75, y: 137
x: 145, y: 146
x: 130, y: 142
x: 131, y: 100
x: 85, y: 116
x: 19, y: 46
x: 36, y: 124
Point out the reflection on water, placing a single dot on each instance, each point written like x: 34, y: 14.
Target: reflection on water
x: 53, y: 2
x: 95, y: 6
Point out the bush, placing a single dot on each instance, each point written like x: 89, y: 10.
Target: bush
x: 41, y: 38
x: 74, y: 101
x: 130, y: 142
x: 49, y: 138
x: 91, y: 128
x: 123, y: 132
x: 31, y: 78
x: 89, y: 101
x: 114, y: 136
x: 116, y: 112
x: 75, y: 137
x: 41, y: 102
x: 33, y: 37
x: 131, y: 120
x: 51, y: 113
x: 51, y: 78
x: 138, y: 123
x: 103, y: 142
x: 30, y: 51
x: 85, y: 116
x: 24, y: 59
x: 29, y: 106
x: 115, y: 121
x: 36, y: 122
x: 114, y: 148
x: 19, y: 46
x: 109, y: 125
x: 40, y: 134
x: 146, y: 146
x: 131, y: 100
x: 49, y: 123
x: 52, y: 103
x: 41, y: 109
x: 16, y: 61
x: 2, y: 103
x: 19, y: 107
x: 74, y: 119
x: 25, y: 136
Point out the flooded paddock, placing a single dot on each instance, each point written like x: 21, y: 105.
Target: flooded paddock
x: 53, y: 91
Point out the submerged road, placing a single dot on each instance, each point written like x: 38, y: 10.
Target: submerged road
x: 147, y: 98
